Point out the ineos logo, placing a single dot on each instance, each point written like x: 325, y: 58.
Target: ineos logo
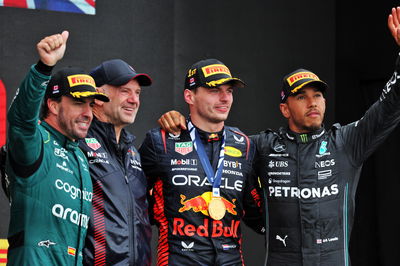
x: 325, y: 163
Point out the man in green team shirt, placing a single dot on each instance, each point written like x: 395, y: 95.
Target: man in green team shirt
x: 50, y: 188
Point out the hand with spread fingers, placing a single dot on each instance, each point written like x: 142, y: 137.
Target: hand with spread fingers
x: 172, y: 122
x: 51, y: 49
x: 394, y: 24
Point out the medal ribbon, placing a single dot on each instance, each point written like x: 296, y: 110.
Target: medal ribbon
x: 213, y: 178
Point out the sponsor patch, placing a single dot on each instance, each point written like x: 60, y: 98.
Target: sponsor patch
x: 183, y: 161
x: 55, y: 89
x: 227, y: 246
x: 327, y: 240
x: 239, y: 139
x: 195, y: 180
x: 80, y: 79
x: 209, y: 228
x: 191, y: 72
x: 92, y: 143
x: 187, y: 247
x: 283, y: 240
x: 46, y: 243
x: 61, y: 153
x: 184, y: 147
x: 279, y: 147
x: 172, y: 136
x: 233, y: 152
x: 215, y: 69
x: 322, y: 175
x: 322, y: 148
x: 70, y: 215
x: 200, y: 203
x: 301, y: 75
x: 232, y: 164
x: 192, y: 82
x: 282, y: 164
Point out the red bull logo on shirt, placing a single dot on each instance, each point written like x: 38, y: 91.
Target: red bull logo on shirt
x: 218, y: 229
x: 200, y: 204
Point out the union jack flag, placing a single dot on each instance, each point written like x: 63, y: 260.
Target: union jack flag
x: 75, y: 6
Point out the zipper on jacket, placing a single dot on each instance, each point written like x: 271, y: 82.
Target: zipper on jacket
x: 131, y: 217
x: 299, y: 200
x: 122, y: 160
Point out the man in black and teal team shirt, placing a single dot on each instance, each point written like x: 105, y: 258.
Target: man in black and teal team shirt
x: 119, y: 232
x: 51, y: 190
x: 310, y: 174
x: 201, y: 179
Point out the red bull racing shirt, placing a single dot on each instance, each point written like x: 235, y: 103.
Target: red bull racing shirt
x: 181, y: 192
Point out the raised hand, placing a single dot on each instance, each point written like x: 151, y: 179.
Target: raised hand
x: 394, y: 24
x: 52, y: 48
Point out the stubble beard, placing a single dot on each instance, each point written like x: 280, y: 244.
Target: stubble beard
x: 70, y: 132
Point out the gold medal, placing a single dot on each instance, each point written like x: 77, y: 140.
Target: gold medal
x: 216, y: 208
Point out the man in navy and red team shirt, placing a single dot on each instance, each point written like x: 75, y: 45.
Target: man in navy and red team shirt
x: 119, y: 232
x: 209, y: 163
x: 310, y: 175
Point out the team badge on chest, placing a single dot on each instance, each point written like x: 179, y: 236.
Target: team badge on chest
x: 184, y: 147
x: 92, y: 143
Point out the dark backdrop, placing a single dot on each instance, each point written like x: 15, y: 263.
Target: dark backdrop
x: 365, y: 58
x: 345, y: 42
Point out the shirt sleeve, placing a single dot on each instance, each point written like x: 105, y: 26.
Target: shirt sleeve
x: 252, y: 199
x: 149, y: 160
x: 24, y: 137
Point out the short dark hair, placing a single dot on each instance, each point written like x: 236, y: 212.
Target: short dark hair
x: 44, y: 109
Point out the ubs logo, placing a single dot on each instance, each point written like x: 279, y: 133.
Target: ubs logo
x: 273, y: 164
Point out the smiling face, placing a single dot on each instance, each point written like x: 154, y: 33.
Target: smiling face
x: 305, y: 110
x: 124, y: 103
x: 72, y: 116
x: 209, y: 107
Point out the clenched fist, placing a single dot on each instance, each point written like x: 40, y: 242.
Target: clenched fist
x: 52, y: 48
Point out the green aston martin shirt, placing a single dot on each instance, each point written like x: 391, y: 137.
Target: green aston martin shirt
x: 51, y: 190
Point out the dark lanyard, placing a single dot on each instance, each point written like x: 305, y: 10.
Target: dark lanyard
x: 213, y: 178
